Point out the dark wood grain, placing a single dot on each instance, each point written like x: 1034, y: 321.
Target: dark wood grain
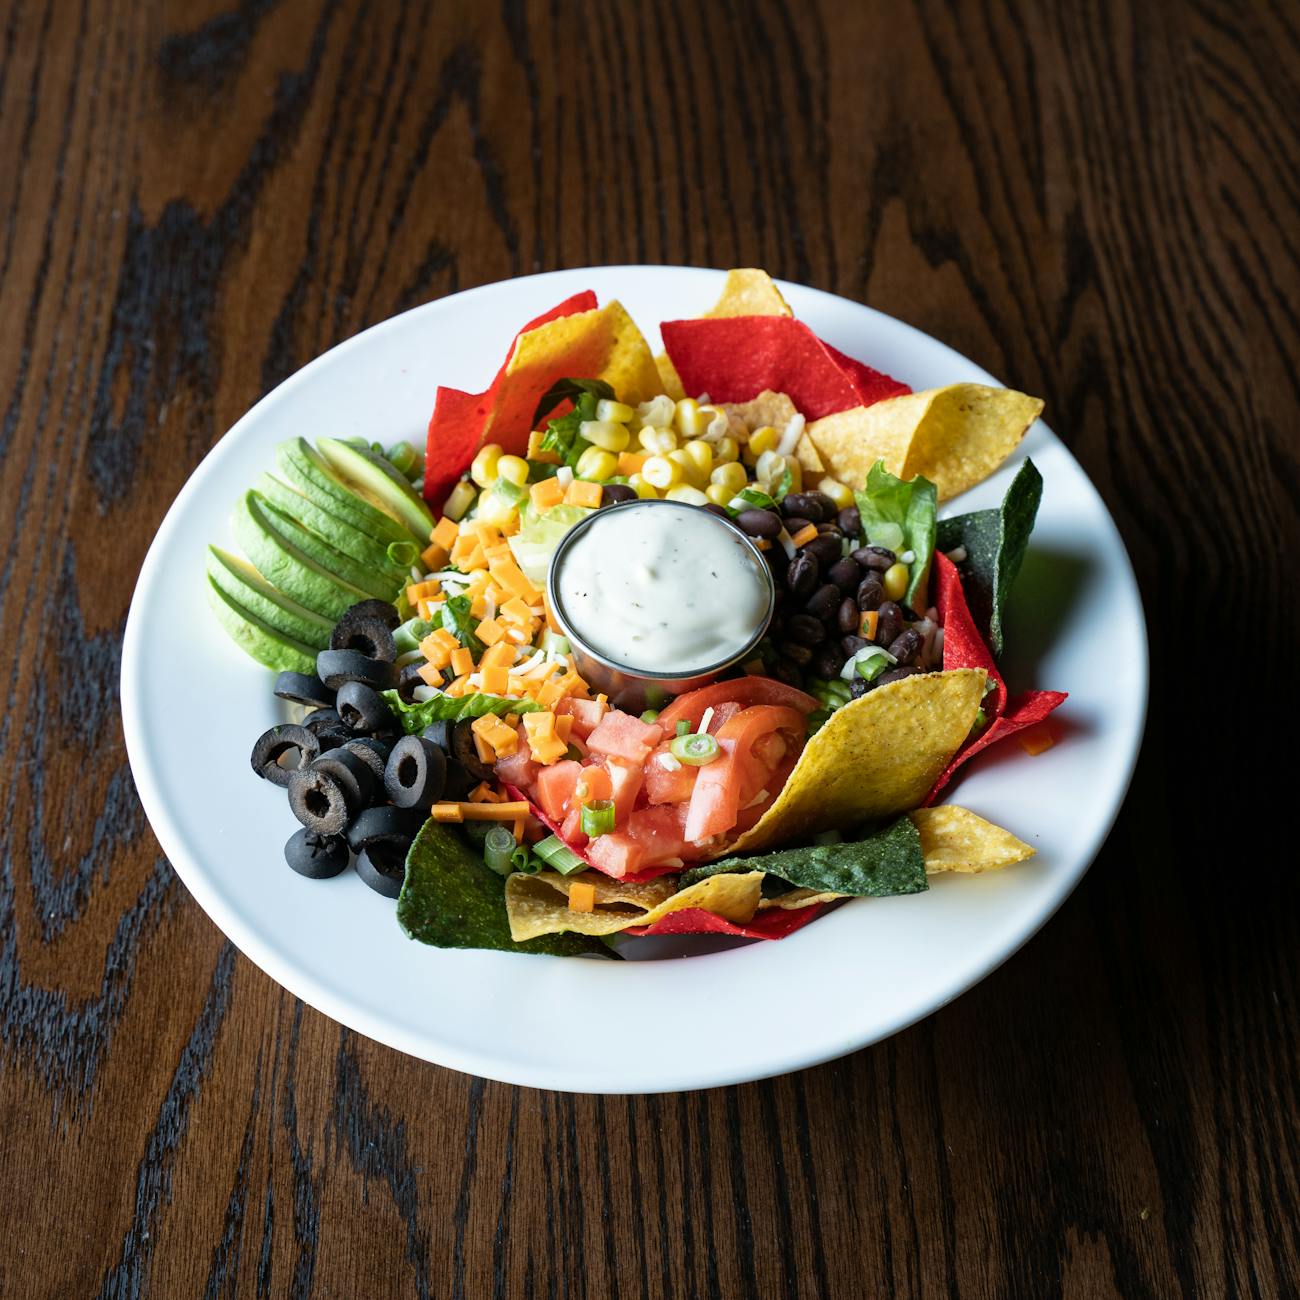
x: 1095, y: 201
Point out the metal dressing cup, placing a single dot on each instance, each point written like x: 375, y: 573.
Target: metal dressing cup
x: 628, y: 686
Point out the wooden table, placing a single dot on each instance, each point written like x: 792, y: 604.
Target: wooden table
x: 1096, y: 202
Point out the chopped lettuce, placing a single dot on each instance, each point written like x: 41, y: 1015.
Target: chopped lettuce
x: 539, y: 535
x: 910, y: 506
x: 562, y: 435
x: 452, y: 708
x: 995, y: 542
x: 883, y: 864
x: 452, y: 899
x: 459, y: 621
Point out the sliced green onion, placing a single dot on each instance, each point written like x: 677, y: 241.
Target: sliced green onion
x: 404, y: 458
x: 649, y: 715
x: 554, y: 643
x: 523, y: 860
x: 404, y: 554
x: 695, y: 750
x: 868, y: 663
x: 751, y: 498
x: 558, y: 855
x: 887, y: 534
x: 377, y: 448
x: 498, y: 849
x: 511, y: 493
x: 597, y: 818
x: 683, y: 728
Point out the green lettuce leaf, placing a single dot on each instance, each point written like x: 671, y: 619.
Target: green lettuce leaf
x: 995, y: 543
x: 911, y: 504
x: 452, y: 708
x: 886, y: 863
x: 562, y: 435
x: 539, y: 535
x: 460, y: 622
x: 452, y: 899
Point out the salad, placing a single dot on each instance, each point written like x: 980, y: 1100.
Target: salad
x: 641, y: 645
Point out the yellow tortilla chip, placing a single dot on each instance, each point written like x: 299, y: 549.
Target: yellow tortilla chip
x: 668, y: 378
x: 749, y: 292
x: 793, y: 899
x: 956, y: 436
x: 768, y: 407
x: 809, y: 461
x: 956, y: 839
x: 877, y: 756
x: 539, y: 904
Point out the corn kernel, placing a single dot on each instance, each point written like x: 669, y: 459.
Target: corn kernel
x: 838, y: 492
x: 658, y: 442
x: 494, y: 509
x: 731, y: 476
x: 895, y: 581
x: 483, y: 470
x: 725, y: 450
x: 661, y: 473
x: 770, y: 467
x: 605, y: 434
x: 657, y: 413
x: 719, y: 495
x: 701, y: 456
x: 460, y: 500
x: 616, y: 412
x: 796, y: 474
x: 514, y: 469
x: 596, y: 463
x: 690, y: 470
x: 761, y: 440
x: 690, y: 423
x: 646, y: 491
x: 691, y: 496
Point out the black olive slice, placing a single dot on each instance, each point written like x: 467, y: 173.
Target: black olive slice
x: 338, y: 666
x: 408, y: 678
x: 352, y: 774
x: 383, y: 868
x: 304, y: 688
x: 274, y: 744
x: 440, y: 734
x: 382, y: 824
x: 373, y: 753
x: 465, y: 753
x: 326, y: 719
x: 416, y: 773
x: 382, y: 610
x: 318, y: 857
x: 369, y: 635
x: 362, y: 708
x: 317, y: 800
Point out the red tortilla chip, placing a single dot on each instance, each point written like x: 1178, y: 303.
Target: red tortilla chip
x: 734, y: 358
x: 773, y: 923
x: 963, y: 647
x: 456, y: 426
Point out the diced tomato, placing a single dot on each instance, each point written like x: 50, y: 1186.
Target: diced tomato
x: 616, y: 854
x: 745, y: 691
x: 660, y: 830
x: 620, y: 735
x: 626, y: 780
x: 518, y: 768
x: 715, y: 801
x: 554, y: 787
x: 594, y: 783
x: 571, y: 831
x: 668, y: 784
x: 586, y: 715
x: 722, y: 714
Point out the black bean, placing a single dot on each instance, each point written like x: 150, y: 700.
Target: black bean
x: 612, y: 493
x: 796, y: 653
x: 801, y: 576
x: 848, y: 616
x: 844, y: 574
x: 716, y: 510
x: 795, y: 524
x: 851, y: 645
x: 826, y: 550
x: 788, y: 672
x: 831, y: 529
x: 870, y: 593
x: 824, y: 601
x: 909, y: 614
x: 850, y: 521
x: 859, y: 686
x: 759, y: 523
x: 896, y: 675
x: 806, y: 630
x: 890, y: 623
x: 808, y: 505
x: 905, y: 646
x: 875, y: 557
x: 827, y: 661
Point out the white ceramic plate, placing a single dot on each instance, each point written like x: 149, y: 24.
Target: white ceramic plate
x: 854, y: 976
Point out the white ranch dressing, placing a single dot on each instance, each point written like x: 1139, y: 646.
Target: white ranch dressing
x: 662, y: 590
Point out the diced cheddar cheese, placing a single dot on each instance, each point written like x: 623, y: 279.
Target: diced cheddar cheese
x: 445, y: 639
x: 445, y: 533
x: 494, y: 681
x: 478, y: 606
x: 489, y: 631
x: 564, y: 726
x: 483, y: 793
x: 417, y: 591
x: 546, y: 494
x: 430, y: 674
x: 479, y: 812
x: 500, y: 735
x: 435, y: 651
x: 462, y: 661
x: 582, y: 897
x: 446, y: 812
x: 500, y: 655
x: 582, y: 493
x: 867, y: 627
x: 1036, y: 739
x: 486, y: 754
x: 629, y: 463
x: 460, y: 686
x: 517, y: 829
x: 434, y: 556
x: 805, y: 535
x: 508, y: 575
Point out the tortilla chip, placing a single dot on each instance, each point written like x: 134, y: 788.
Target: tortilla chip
x: 538, y: 904
x: 749, y: 292
x: 796, y: 898
x: 956, y: 839
x: 875, y: 757
x: 668, y: 377
x: 775, y: 923
x: 956, y: 436
x: 767, y: 408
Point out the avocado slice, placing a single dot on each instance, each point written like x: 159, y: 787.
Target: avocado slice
x: 340, y: 534
x: 307, y: 473
x: 288, y: 567
x: 332, y: 560
x: 246, y: 588
x: 376, y: 480
x: 266, y: 644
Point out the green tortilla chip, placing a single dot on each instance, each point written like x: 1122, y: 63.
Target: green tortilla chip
x: 995, y: 543
x: 452, y: 899
x: 886, y: 863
